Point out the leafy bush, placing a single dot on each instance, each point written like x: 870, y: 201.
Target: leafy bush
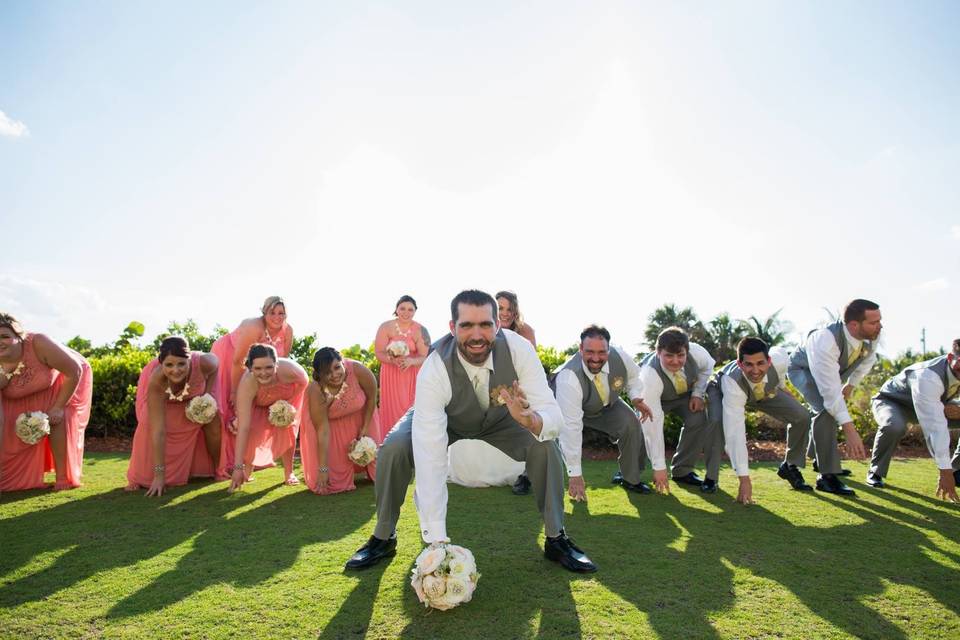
x: 365, y: 356
x: 115, y: 377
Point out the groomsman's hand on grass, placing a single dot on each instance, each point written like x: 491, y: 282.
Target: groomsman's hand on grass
x: 745, y: 494
x: 577, y: 489
x: 855, y: 447
x: 661, y: 482
x: 947, y: 487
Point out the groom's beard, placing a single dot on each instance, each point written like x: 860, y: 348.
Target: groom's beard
x: 475, y: 358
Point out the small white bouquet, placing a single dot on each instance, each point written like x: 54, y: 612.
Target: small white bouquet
x: 32, y: 426
x: 363, y: 451
x: 201, y: 409
x: 398, y: 349
x: 282, y: 414
x: 444, y: 576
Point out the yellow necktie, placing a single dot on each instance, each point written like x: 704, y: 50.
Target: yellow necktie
x: 758, y: 391
x: 482, y: 396
x: 604, y: 396
x: 954, y: 388
x: 679, y: 383
x: 854, y: 354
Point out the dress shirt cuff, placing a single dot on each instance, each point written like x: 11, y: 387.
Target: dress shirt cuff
x: 944, y: 461
x: 435, y: 531
x: 548, y: 430
x: 842, y: 417
x: 574, y: 470
x: 659, y: 465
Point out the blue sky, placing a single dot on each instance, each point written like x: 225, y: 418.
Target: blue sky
x: 165, y: 161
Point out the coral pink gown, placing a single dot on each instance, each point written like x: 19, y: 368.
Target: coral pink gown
x: 185, y: 452
x: 225, y: 349
x: 266, y: 442
x: 397, y: 387
x: 345, y: 417
x: 35, y: 388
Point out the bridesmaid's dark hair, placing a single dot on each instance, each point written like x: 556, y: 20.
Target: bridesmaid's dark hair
x: 8, y: 321
x: 402, y: 300
x: 260, y: 351
x: 323, y: 361
x: 174, y: 346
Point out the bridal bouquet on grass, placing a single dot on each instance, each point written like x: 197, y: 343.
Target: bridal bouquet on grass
x: 444, y: 576
x: 201, y: 409
x: 282, y: 414
x: 363, y: 451
x: 398, y: 349
x: 32, y: 426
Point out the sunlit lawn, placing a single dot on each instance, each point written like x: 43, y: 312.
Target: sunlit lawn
x: 268, y: 563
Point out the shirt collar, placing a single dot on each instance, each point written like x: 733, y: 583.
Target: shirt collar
x: 472, y: 369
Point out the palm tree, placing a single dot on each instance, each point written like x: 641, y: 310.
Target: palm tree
x: 726, y: 333
x: 670, y: 316
x: 772, y: 330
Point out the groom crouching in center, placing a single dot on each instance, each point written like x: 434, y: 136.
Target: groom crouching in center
x: 480, y: 382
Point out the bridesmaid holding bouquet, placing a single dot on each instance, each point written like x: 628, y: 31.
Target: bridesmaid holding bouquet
x: 401, y: 346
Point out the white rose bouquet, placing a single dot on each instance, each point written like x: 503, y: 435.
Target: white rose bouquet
x: 363, y: 451
x: 201, y: 409
x: 398, y: 349
x: 444, y: 576
x: 282, y: 414
x: 32, y: 426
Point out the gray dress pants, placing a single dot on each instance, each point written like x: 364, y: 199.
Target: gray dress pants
x: 692, y: 435
x: 622, y: 426
x: 823, y: 437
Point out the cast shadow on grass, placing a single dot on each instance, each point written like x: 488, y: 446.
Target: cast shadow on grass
x: 247, y: 549
x: 352, y: 619
x: 102, y: 532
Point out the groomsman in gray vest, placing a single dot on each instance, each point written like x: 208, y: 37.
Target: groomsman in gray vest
x: 675, y: 381
x: 924, y: 393
x: 825, y: 369
x: 588, y: 388
x: 755, y: 381
x: 479, y: 382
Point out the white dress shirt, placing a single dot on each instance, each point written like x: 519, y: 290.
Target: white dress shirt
x: 734, y: 408
x: 570, y: 399
x: 926, y: 391
x: 429, y: 431
x: 823, y: 358
x: 652, y: 390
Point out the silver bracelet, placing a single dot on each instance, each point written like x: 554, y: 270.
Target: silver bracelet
x: 239, y: 467
x: 159, y: 468
x: 323, y: 469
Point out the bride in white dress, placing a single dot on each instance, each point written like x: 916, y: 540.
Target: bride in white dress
x: 474, y: 463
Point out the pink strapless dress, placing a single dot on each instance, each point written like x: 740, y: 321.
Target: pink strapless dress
x: 397, y: 387
x: 225, y: 348
x: 35, y: 389
x: 345, y: 417
x: 185, y: 454
x: 266, y: 442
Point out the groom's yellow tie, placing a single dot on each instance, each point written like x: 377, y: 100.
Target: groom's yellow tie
x: 758, y: 391
x: 604, y: 396
x: 680, y: 382
x: 854, y: 353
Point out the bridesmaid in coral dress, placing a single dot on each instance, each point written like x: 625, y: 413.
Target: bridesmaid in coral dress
x: 401, y: 346
x: 231, y: 350
x: 342, y: 407
x: 267, y: 381
x: 37, y: 374
x: 168, y: 447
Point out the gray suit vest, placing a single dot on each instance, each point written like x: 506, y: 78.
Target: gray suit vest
x: 799, y: 357
x: 465, y: 416
x: 616, y: 380
x: 690, y: 371
x: 899, y: 387
x: 733, y: 371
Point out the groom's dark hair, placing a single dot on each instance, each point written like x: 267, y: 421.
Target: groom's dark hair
x: 473, y: 297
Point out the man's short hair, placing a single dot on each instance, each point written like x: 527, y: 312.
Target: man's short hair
x: 473, y: 297
x: 673, y: 340
x: 751, y: 346
x: 857, y: 309
x: 595, y: 331
x: 956, y: 347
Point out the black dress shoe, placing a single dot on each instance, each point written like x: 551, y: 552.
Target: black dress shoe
x: 691, y: 478
x: 831, y: 484
x: 373, y: 552
x: 875, y: 481
x: 571, y: 557
x: 640, y: 487
x: 708, y: 486
x: 522, y: 486
x: 843, y: 472
x: 791, y: 474
x: 956, y: 477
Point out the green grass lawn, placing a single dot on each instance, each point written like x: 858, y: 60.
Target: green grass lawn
x: 268, y: 563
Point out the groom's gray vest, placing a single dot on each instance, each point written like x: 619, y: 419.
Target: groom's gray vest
x: 898, y: 388
x: 799, y: 357
x: 732, y: 370
x: 592, y: 403
x: 690, y: 371
x: 465, y: 416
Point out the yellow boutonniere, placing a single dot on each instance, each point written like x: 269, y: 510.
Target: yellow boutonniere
x: 617, y: 384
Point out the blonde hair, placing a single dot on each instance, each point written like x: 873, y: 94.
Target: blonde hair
x: 270, y: 303
x: 514, y: 306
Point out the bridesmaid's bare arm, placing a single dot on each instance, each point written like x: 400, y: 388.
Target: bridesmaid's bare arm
x: 57, y: 357
x: 157, y: 417
x: 317, y: 406
x: 380, y: 344
x: 209, y: 364
x: 368, y: 382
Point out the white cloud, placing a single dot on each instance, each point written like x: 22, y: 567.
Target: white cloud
x: 12, y: 128
x: 938, y: 284
x: 955, y: 230
x: 50, y: 307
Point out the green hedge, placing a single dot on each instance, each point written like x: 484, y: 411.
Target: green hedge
x: 115, y: 391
